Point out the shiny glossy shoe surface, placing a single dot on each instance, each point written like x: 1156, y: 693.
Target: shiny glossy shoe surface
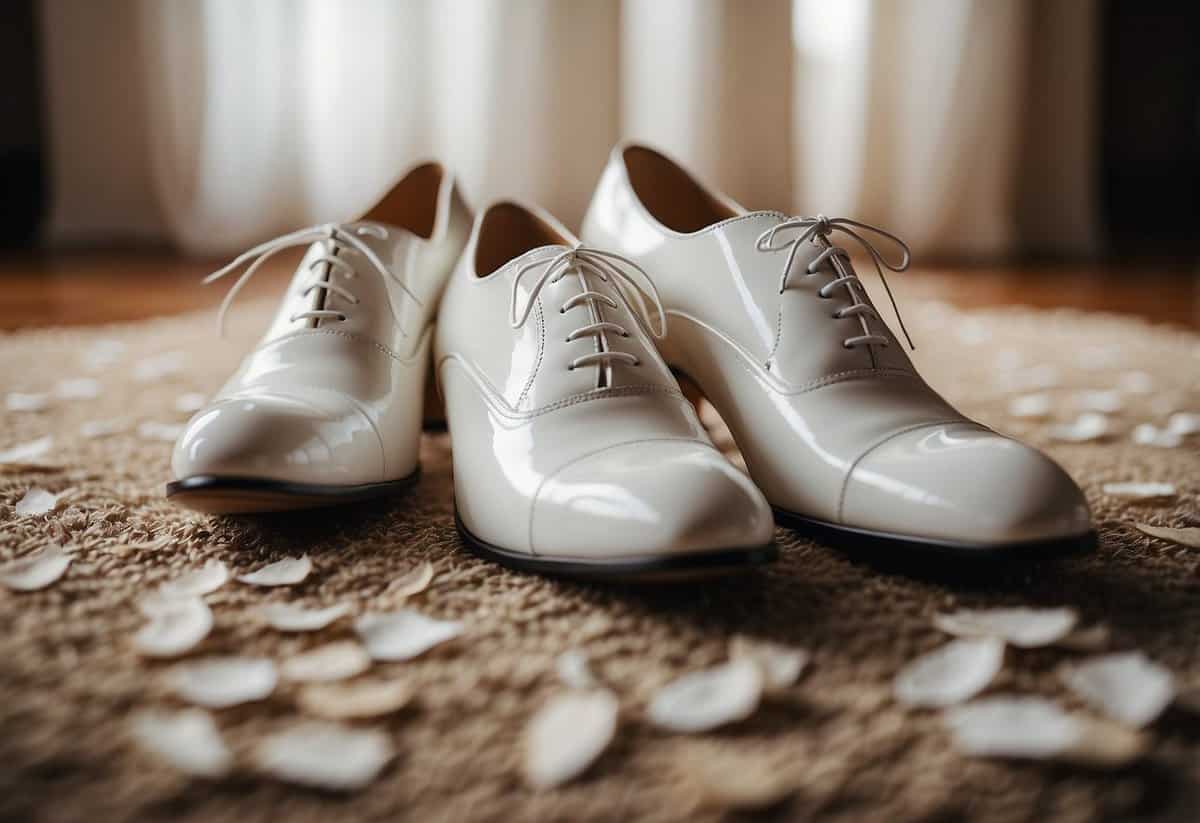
x: 327, y: 408
x: 574, y: 449
x: 768, y: 317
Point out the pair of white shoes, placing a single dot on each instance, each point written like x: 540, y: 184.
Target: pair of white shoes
x: 575, y: 451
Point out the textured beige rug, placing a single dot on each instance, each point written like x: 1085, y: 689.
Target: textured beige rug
x: 70, y: 680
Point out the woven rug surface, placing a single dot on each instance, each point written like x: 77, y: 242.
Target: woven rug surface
x: 70, y: 678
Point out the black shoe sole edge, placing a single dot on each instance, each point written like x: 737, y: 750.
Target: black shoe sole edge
x: 878, y: 542
x: 230, y: 494
x: 650, y: 570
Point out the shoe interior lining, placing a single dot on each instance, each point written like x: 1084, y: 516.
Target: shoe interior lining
x: 413, y: 202
x: 509, y: 230
x: 670, y: 194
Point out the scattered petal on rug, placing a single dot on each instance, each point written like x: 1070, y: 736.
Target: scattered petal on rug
x: 567, y: 734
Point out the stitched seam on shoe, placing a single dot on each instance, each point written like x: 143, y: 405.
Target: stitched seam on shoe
x: 348, y: 335
x: 874, y: 446
x: 542, y: 483
x: 747, y: 363
x: 778, y: 336
x: 497, y: 402
x: 537, y: 363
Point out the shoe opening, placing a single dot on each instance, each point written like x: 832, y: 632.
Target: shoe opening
x: 670, y: 194
x: 413, y: 202
x: 508, y: 230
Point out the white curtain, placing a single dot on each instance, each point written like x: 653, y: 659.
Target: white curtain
x: 964, y: 125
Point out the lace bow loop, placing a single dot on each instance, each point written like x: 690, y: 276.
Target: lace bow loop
x: 822, y: 227
x: 337, y: 234
x: 608, y: 266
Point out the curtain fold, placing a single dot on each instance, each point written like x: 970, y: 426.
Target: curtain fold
x: 964, y: 125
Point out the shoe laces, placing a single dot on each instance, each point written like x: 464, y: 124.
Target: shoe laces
x: 609, y: 267
x: 822, y: 227
x: 334, y: 237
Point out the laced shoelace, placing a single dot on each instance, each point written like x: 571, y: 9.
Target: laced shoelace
x: 609, y: 268
x: 339, y: 236
x: 822, y: 227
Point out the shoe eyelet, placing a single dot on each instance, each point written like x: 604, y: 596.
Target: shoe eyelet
x: 846, y: 345
x: 625, y: 334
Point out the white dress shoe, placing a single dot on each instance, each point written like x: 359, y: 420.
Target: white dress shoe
x: 328, y: 407
x: 574, y: 450
x: 837, y: 428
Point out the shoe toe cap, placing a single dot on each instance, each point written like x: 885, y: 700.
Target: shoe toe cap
x: 648, y: 499
x: 279, y: 438
x: 965, y: 484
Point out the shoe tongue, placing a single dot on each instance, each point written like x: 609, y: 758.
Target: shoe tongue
x: 314, y: 273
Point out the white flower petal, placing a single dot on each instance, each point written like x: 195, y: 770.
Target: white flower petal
x: 1037, y: 729
x: 286, y: 572
x: 1023, y: 627
x: 1139, y: 491
x: 355, y: 701
x: 78, y: 388
x: 176, y: 628
x: 1147, y: 434
x: 163, y: 432
x: 1088, y: 426
x: 1189, y: 537
x: 22, y: 453
x: 1003, y: 726
x: 196, y: 582
x: 103, y: 353
x: 1128, y: 687
x: 286, y: 617
x: 325, y: 755
x: 92, y: 429
x: 19, y: 401
x: 1030, y: 406
x: 573, y: 669
x: 951, y: 674
x: 159, y: 366
x: 781, y: 665
x: 220, y: 682
x: 190, y: 402
x: 1184, y: 423
x: 36, y: 501
x: 709, y: 698
x: 404, y: 634
x: 1106, y: 400
x: 567, y: 734
x: 187, y: 740
x: 972, y: 331
x: 412, y: 582
x: 35, y: 571
x: 325, y: 664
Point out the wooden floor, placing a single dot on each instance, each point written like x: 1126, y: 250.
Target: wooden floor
x: 101, y: 287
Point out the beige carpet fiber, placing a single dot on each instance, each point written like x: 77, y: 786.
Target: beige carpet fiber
x: 69, y: 679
